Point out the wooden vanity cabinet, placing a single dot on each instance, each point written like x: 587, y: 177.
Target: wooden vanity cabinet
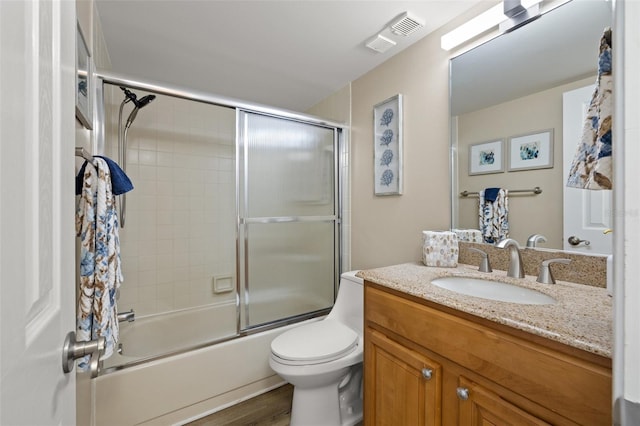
x: 429, y: 365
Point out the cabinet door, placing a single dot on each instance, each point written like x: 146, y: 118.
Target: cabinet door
x: 478, y: 406
x: 402, y: 387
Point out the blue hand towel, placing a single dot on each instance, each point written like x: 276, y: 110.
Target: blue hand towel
x: 120, y: 182
x: 491, y: 194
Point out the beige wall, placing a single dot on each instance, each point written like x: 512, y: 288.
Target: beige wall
x: 528, y: 214
x: 387, y: 229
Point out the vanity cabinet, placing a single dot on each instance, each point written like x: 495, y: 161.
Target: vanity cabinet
x: 404, y: 385
x: 426, y: 364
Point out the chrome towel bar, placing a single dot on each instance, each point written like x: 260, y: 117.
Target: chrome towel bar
x: 537, y: 190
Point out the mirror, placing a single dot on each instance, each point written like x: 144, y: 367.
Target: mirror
x: 512, y: 86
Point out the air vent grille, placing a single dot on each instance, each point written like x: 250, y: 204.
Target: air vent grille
x: 406, y: 24
x: 380, y: 44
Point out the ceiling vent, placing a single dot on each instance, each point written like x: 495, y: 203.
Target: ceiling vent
x: 380, y: 44
x: 405, y: 24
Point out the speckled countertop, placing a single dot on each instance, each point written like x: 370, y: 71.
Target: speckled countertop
x: 582, y: 317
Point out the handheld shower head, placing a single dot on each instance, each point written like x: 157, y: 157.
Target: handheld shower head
x: 145, y: 100
x: 139, y: 103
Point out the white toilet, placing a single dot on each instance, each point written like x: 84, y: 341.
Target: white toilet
x: 323, y: 361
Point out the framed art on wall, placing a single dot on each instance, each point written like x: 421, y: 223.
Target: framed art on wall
x: 486, y: 157
x: 531, y: 151
x: 387, y: 151
x: 84, y: 71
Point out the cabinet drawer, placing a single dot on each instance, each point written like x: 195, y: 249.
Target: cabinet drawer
x: 570, y: 386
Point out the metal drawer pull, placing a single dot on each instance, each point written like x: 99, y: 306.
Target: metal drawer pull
x: 463, y: 393
x: 426, y: 373
x: 72, y: 350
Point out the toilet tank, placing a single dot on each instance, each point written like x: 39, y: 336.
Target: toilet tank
x: 348, y: 308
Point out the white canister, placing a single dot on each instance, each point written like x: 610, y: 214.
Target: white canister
x: 440, y: 248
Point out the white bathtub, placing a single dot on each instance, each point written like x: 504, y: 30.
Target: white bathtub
x: 180, y: 388
x: 156, y: 335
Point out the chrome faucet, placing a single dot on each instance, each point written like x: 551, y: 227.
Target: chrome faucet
x: 535, y: 239
x: 516, y: 270
x: 128, y: 316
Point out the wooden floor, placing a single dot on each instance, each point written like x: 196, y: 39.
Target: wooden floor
x: 269, y: 409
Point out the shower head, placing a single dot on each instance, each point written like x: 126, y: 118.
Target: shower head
x: 131, y: 97
x: 139, y: 103
x: 145, y: 100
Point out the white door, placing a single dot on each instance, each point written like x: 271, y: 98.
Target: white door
x: 587, y: 214
x: 37, y: 132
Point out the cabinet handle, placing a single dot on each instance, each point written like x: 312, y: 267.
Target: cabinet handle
x: 426, y: 373
x: 463, y: 393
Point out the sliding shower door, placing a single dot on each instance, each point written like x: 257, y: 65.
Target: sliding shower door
x: 288, y: 218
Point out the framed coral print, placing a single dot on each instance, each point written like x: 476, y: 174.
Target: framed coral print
x: 531, y: 151
x: 84, y: 70
x: 387, y: 150
x: 486, y: 157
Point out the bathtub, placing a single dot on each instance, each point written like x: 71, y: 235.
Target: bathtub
x: 157, y: 335
x: 183, y: 387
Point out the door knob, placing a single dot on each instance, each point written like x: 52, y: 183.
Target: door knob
x: 72, y: 350
x: 575, y: 241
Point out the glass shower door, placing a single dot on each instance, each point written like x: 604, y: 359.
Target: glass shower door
x: 288, y: 218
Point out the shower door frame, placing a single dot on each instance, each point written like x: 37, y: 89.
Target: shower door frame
x: 242, y: 259
x: 99, y: 145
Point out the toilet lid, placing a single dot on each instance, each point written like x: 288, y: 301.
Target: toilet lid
x: 321, y: 341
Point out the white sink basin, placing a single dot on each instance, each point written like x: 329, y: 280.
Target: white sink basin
x: 493, y: 290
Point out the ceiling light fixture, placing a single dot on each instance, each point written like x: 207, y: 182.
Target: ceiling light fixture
x: 508, y: 16
x: 380, y: 43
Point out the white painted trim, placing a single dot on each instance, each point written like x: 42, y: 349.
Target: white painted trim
x: 626, y: 384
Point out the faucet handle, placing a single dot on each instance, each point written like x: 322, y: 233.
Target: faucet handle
x: 545, y: 276
x: 485, y: 266
x: 534, y: 239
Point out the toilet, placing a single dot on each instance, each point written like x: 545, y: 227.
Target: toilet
x: 323, y: 361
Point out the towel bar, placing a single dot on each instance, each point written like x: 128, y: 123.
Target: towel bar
x: 537, y: 190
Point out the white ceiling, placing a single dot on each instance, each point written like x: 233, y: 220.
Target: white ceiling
x: 288, y: 54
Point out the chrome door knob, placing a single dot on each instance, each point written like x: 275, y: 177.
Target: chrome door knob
x: 575, y: 241
x: 72, y: 350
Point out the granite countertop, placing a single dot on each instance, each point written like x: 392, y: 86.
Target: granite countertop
x: 582, y: 316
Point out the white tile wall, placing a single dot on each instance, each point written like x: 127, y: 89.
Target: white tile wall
x: 180, y: 222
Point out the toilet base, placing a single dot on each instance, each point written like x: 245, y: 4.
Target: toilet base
x: 335, y: 404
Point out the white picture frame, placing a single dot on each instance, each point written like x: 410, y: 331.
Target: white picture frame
x: 486, y: 157
x: 387, y: 141
x: 531, y: 151
x: 84, y: 81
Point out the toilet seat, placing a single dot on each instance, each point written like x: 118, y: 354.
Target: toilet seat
x: 315, y: 343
